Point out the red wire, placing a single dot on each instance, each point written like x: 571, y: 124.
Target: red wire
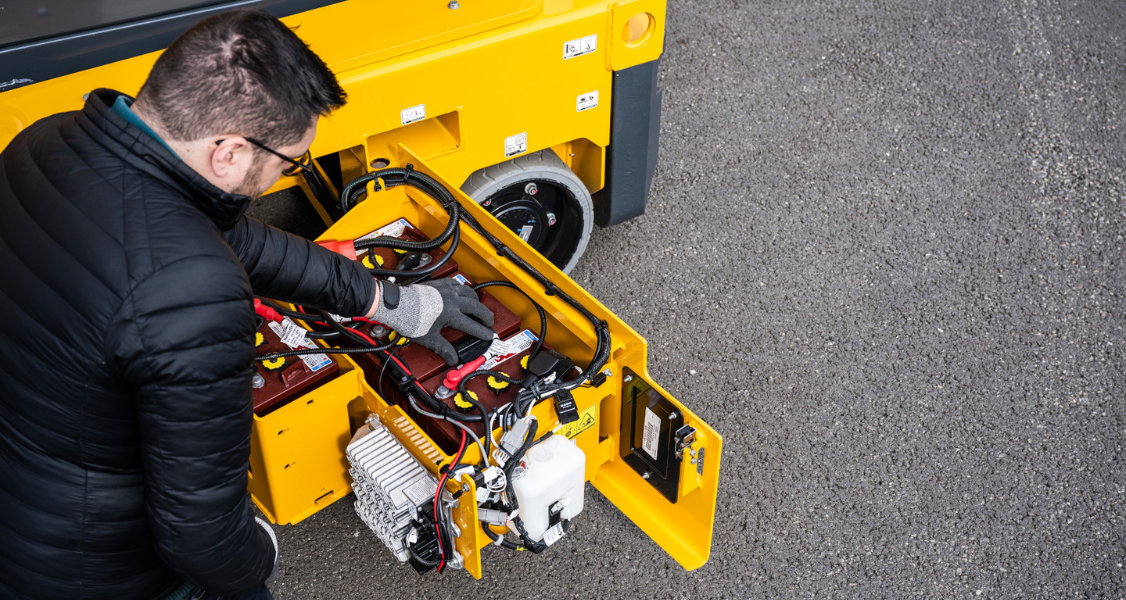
x: 361, y: 334
x: 438, y: 494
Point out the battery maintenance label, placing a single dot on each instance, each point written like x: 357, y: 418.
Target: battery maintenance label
x: 289, y: 331
x: 394, y: 230
x: 587, y: 419
x: 651, y: 435
x: 502, y: 350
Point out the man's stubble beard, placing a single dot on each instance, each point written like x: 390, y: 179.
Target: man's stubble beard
x: 249, y: 185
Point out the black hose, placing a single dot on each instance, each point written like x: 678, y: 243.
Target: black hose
x: 495, y: 536
x: 300, y: 316
x: 428, y: 269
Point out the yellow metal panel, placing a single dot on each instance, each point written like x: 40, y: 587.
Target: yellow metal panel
x: 297, y: 452
x: 650, y: 44
x: 684, y: 528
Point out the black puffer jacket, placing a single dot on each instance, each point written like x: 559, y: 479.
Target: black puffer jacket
x: 126, y: 345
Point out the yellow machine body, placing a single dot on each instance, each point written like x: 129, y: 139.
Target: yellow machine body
x: 298, y: 464
x: 482, y: 74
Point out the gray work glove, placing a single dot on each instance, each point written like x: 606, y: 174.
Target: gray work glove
x: 273, y: 538
x: 425, y: 308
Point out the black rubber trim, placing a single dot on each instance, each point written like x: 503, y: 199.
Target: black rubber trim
x: 390, y: 294
x: 30, y: 62
x: 631, y: 159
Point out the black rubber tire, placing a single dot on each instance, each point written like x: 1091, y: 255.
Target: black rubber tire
x: 503, y: 183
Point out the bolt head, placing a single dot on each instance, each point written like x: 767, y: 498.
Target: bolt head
x: 531, y: 189
x: 628, y: 378
x: 646, y: 475
x: 673, y: 415
x: 453, y: 5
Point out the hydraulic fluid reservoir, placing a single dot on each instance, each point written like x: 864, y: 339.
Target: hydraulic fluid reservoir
x: 551, y: 489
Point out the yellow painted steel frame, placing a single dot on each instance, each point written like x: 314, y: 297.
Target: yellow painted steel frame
x: 483, y: 73
x: 683, y: 529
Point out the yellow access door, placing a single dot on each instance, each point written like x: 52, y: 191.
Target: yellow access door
x: 655, y: 459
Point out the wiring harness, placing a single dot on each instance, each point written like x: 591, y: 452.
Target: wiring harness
x: 501, y: 458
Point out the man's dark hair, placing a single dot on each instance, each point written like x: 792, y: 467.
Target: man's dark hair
x: 240, y: 72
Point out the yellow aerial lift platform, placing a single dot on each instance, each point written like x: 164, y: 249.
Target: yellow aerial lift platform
x: 537, y: 118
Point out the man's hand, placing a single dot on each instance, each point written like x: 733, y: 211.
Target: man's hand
x: 420, y: 311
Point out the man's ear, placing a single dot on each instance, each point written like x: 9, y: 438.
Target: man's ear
x: 231, y: 158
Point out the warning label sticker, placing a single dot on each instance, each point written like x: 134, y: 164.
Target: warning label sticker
x: 394, y: 230
x: 586, y: 101
x: 515, y: 144
x: 294, y: 336
x: 412, y: 114
x: 651, y: 435
x: 587, y: 419
x: 502, y: 350
x: 581, y: 46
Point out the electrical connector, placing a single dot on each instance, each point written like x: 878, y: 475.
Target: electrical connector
x: 566, y: 408
x: 347, y: 248
x: 266, y: 312
x: 549, y: 364
x: 512, y: 440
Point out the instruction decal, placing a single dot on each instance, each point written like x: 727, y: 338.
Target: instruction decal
x: 516, y: 144
x: 586, y: 101
x: 651, y: 434
x: 412, y: 114
x: 581, y: 46
x: 587, y: 419
x: 289, y: 331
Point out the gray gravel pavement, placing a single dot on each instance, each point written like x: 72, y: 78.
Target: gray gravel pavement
x: 884, y: 258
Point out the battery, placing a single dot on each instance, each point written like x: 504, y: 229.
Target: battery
x: 505, y: 356
x: 281, y: 380
x: 423, y: 363
x: 391, y: 259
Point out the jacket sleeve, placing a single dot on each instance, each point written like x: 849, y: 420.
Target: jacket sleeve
x: 291, y: 268
x: 183, y: 340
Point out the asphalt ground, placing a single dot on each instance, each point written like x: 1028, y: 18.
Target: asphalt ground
x: 884, y: 258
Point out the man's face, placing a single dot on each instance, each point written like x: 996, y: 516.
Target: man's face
x: 267, y: 168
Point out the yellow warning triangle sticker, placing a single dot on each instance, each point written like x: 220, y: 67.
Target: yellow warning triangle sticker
x: 586, y: 420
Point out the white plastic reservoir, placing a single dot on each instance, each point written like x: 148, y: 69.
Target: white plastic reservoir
x: 556, y: 471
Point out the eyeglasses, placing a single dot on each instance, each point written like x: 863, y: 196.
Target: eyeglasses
x: 295, y: 164
x: 301, y: 163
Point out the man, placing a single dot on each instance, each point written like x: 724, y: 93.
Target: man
x: 127, y: 275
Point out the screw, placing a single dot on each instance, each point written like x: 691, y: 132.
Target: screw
x: 692, y: 453
x: 258, y: 381
x: 607, y: 372
x: 550, y: 219
x: 531, y: 188
x: 673, y: 415
x: 627, y: 379
x: 646, y: 475
x: 453, y: 5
